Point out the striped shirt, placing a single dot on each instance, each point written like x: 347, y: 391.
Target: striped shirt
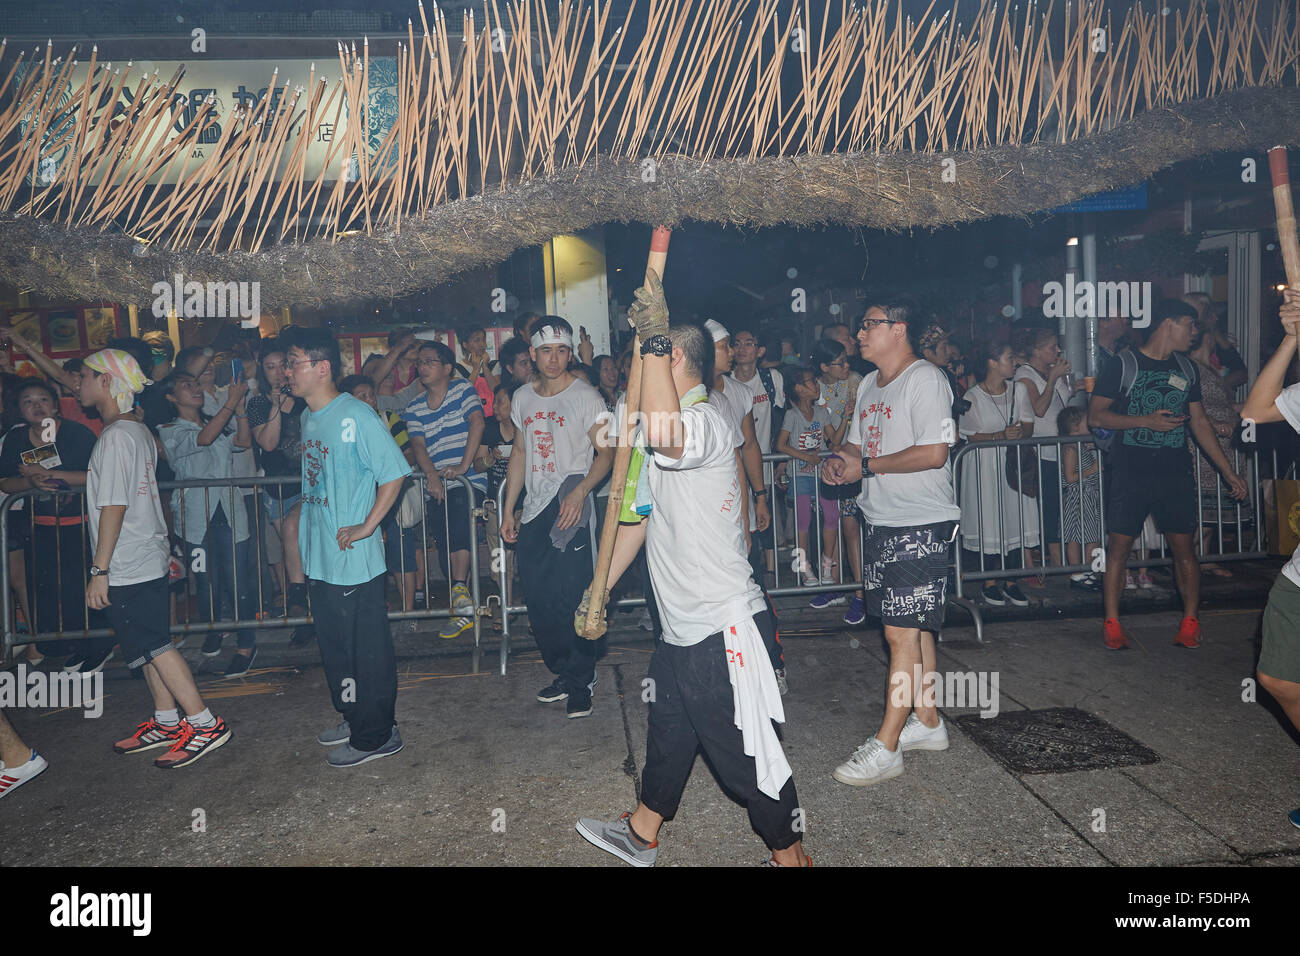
x: 445, y: 429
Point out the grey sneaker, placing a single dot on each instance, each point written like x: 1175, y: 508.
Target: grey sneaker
x: 349, y: 756
x: 781, y: 684
x: 461, y: 602
x: 917, y: 736
x: 616, y: 837
x: 454, y: 627
x: 335, y: 735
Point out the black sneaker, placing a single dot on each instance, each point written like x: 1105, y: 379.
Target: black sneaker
x: 993, y: 597
x: 579, y: 705
x: 74, y: 663
x: 95, y: 661
x: 1016, y: 596
x: 303, y: 635
x: 240, y: 663
x: 212, y: 643
x: 1086, y: 582
x: 553, y: 691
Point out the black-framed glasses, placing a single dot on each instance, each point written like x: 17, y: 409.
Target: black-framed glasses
x: 308, y: 361
x: 869, y: 324
x: 839, y: 361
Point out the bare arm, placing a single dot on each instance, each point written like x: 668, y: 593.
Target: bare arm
x: 110, y: 526
x: 47, y: 365
x: 1260, y: 405
x: 910, y: 460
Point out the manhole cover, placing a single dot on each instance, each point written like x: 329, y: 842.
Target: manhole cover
x: 1056, y: 740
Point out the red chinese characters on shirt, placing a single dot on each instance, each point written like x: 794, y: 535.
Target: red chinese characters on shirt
x: 544, y: 439
x: 874, y: 434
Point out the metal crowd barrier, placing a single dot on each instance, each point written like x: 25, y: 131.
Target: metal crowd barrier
x: 80, y: 629
x: 1244, y: 520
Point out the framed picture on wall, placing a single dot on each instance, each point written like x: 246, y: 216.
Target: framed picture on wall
x: 64, y: 333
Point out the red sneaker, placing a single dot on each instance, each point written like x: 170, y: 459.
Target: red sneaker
x: 193, y: 743
x: 1115, y: 639
x: 1189, y: 633
x: 148, y: 735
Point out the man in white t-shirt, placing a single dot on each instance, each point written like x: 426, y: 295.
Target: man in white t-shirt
x: 128, y: 579
x: 562, y: 424
x: 767, y: 390
x: 713, y: 684
x: 737, y: 404
x: 1279, y: 655
x: 898, y: 443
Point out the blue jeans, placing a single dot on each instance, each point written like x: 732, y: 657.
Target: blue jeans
x: 228, y: 577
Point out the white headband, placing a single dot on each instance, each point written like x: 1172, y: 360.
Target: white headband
x: 550, y: 335
x: 717, y: 329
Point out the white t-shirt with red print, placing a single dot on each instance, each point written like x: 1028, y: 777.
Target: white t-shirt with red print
x: 914, y: 409
x: 553, y: 436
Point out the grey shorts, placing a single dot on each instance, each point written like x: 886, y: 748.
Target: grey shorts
x: 1279, y: 656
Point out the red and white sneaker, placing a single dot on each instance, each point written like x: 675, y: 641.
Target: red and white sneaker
x: 193, y: 743
x: 148, y: 735
x: 11, y: 778
x: 1189, y: 633
x: 1114, y: 634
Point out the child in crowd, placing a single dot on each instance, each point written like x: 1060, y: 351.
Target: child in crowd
x: 806, y: 431
x: 1081, y: 515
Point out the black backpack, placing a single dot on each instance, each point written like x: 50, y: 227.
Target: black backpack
x: 774, y: 420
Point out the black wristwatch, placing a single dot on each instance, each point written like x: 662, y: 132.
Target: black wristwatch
x: 866, y: 467
x: 760, y: 492
x: 98, y: 572
x: 657, y: 345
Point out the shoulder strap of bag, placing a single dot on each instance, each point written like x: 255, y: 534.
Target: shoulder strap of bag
x: 1128, y: 373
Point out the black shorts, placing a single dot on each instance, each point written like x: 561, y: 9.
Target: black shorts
x: 1168, y: 495
x: 20, y: 531
x: 448, y: 520
x: 905, y: 574
x: 140, y: 617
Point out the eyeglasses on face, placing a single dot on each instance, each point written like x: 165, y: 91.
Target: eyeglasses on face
x: 301, y: 362
x: 869, y: 324
x: 839, y: 361
x: 430, y: 361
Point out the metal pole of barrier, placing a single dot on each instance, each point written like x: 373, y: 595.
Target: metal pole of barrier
x: 7, y: 638
x: 504, y: 583
x: 474, y: 514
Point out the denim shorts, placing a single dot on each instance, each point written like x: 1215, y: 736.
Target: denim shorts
x: 274, y: 510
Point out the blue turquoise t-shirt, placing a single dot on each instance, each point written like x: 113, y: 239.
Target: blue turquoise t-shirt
x: 346, y: 452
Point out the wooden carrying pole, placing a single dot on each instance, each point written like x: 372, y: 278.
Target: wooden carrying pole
x: 1286, y: 230
x: 596, y: 608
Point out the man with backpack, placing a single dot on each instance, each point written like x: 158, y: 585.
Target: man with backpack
x: 1149, y: 397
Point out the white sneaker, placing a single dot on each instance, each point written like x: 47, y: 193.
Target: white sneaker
x: 828, y: 572
x: 917, y: 736
x: 646, y: 622
x: 870, y: 763
x: 811, y: 580
x: 11, y: 778
x: 461, y: 603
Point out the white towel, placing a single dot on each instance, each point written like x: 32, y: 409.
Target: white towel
x: 758, y: 703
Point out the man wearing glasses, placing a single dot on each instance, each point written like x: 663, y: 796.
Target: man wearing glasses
x: 352, y: 471
x: 898, y: 444
x: 445, y: 423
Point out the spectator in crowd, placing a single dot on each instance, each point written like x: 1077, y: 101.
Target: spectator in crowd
x: 51, y: 456
x: 128, y: 576
x: 1081, y: 513
x: 516, y: 364
x: 773, y: 343
x: 473, y: 345
x: 1111, y: 330
x: 1279, y: 656
x: 767, y: 391
x: 212, y: 522
x: 838, y: 388
x: 789, y: 349
x: 625, y: 365
x: 402, y: 549
x: 806, y: 431
x: 841, y: 333
x: 561, y: 424
x: 66, y: 377
x: 996, y: 520
x: 446, y: 425
x: 1045, y: 375
x: 1224, y: 358
x: 1152, y: 469
x: 1221, y: 411
x: 898, y: 445
x: 494, y: 461
x: 401, y: 373
x: 352, y: 472
x: 18, y: 762
x: 275, y: 418
x: 523, y: 325
x: 16, y: 517
x: 162, y: 350
x: 606, y: 383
